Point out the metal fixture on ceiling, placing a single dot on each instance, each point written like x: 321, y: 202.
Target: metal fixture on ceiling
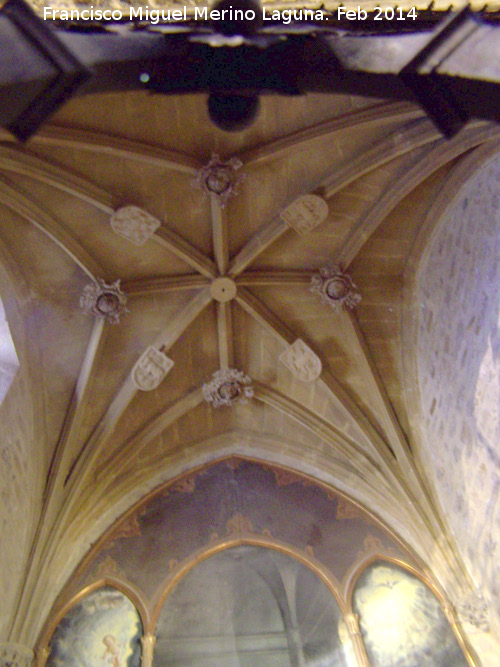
x: 449, y: 68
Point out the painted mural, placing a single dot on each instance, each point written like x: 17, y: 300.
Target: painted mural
x: 101, y: 630
x: 402, y: 622
x: 210, y: 557
x: 248, y: 606
x: 227, y: 500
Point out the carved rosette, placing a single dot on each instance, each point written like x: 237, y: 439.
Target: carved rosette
x: 473, y: 609
x: 104, y: 301
x: 15, y: 655
x: 302, y: 361
x: 150, y: 369
x: 228, y: 387
x: 219, y: 179
x: 335, y: 288
x: 134, y: 224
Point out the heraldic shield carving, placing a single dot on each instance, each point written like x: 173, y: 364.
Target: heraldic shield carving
x: 134, y: 224
x: 150, y: 369
x: 302, y: 361
x: 305, y: 213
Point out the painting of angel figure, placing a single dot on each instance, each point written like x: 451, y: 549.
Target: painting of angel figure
x: 402, y: 622
x: 101, y: 630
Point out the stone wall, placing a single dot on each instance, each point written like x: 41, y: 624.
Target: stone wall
x: 21, y: 469
x: 459, y: 371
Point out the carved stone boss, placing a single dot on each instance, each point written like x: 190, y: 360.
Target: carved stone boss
x: 335, y: 287
x: 219, y: 179
x: 302, y: 361
x: 134, y: 224
x: 152, y: 366
x: 305, y: 213
x: 228, y: 387
x: 104, y: 301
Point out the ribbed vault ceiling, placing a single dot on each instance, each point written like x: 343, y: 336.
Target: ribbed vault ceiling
x: 93, y: 443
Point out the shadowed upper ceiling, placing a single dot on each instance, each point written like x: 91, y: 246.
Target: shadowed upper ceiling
x: 91, y: 442
x: 269, y: 5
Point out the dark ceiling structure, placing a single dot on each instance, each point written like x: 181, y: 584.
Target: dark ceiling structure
x: 449, y: 66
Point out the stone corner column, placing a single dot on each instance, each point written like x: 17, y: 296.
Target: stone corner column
x: 455, y: 617
x: 352, y: 623
x: 42, y: 655
x: 15, y: 655
x: 148, y: 644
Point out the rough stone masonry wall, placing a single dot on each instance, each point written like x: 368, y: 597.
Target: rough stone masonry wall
x: 20, y: 483
x: 459, y: 371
